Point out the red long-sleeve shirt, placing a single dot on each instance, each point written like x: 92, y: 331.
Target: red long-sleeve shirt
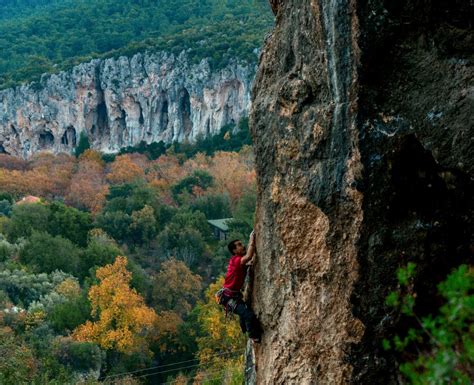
x: 235, y: 277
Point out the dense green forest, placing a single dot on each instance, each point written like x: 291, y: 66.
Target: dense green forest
x: 38, y: 36
x: 111, y: 274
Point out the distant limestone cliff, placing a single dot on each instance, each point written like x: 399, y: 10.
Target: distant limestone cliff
x: 362, y: 118
x: 121, y: 102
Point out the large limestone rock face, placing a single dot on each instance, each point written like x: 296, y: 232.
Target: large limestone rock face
x: 121, y: 102
x: 362, y: 116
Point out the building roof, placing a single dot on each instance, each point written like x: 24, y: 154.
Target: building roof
x: 29, y: 199
x: 221, y: 224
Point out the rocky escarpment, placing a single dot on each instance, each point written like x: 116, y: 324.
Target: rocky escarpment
x: 362, y: 117
x: 121, y: 102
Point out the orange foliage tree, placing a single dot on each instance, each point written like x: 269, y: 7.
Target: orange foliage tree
x: 167, y: 170
x: 46, y: 175
x: 50, y: 175
x: 94, y: 155
x: 124, y: 170
x: 162, y: 174
x: 123, y: 320
x: 232, y: 174
x: 88, y: 188
x: 10, y: 162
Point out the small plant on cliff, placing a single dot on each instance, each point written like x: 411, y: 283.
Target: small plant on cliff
x: 444, y: 342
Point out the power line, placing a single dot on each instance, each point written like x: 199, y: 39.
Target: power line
x: 207, y: 379
x: 174, y: 370
x: 172, y: 364
x: 170, y: 370
x: 212, y: 372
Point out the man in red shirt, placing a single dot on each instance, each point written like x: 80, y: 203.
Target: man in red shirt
x: 234, y: 281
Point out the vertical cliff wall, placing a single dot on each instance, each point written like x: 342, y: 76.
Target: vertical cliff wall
x: 121, y: 102
x: 362, y: 117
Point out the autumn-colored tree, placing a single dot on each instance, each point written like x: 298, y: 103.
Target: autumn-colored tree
x: 10, y: 162
x: 222, y: 345
x: 232, y: 174
x: 166, y: 168
x: 123, y: 321
x: 197, y: 182
x: 176, y: 288
x: 166, y: 337
x: 93, y: 155
x: 69, y: 288
x: 220, y: 335
x: 124, y: 170
x: 199, y: 162
x: 88, y: 188
x: 50, y: 175
x: 141, y: 160
x: 47, y: 175
x: 13, y: 181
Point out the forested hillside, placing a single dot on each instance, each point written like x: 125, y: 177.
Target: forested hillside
x: 38, y: 36
x: 110, y: 269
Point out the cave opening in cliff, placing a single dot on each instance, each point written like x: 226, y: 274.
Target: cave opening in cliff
x: 164, y: 116
x: 122, y: 128
x: 102, y: 127
x: 141, y: 120
x: 69, y: 137
x: 184, y: 110
x: 122, y: 121
x: 46, y: 139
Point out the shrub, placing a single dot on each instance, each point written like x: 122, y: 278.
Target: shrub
x: 446, y: 340
x: 45, y: 253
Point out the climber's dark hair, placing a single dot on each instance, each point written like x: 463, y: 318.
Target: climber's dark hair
x: 231, y: 245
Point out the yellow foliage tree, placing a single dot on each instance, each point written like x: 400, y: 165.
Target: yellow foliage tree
x: 69, y: 288
x: 222, y: 345
x: 124, y: 321
x: 220, y: 335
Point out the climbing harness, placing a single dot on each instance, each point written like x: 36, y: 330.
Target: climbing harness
x: 229, y: 299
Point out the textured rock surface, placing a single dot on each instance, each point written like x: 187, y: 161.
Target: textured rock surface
x: 362, y: 117
x: 120, y: 102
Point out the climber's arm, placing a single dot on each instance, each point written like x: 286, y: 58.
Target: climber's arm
x: 250, y: 251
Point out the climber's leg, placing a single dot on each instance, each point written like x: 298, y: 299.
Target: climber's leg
x: 242, y: 324
x: 248, y: 318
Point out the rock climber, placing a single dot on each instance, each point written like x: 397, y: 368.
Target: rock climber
x: 230, y: 295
